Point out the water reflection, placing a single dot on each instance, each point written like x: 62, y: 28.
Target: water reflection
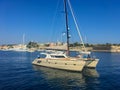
x: 90, y: 72
x: 66, y: 79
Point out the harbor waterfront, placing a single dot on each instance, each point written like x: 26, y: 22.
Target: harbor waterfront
x: 17, y: 73
x: 33, y: 46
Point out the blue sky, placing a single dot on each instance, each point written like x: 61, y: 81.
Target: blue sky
x: 43, y: 21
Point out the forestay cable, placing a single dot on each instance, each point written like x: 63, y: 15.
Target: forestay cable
x: 77, y: 28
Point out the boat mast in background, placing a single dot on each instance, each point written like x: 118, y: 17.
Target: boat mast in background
x: 23, y: 41
x: 67, y: 28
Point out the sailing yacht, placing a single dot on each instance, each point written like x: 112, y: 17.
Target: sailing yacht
x: 21, y: 47
x: 58, y: 59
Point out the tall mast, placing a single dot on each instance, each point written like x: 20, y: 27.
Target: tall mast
x: 67, y: 28
x: 23, y: 39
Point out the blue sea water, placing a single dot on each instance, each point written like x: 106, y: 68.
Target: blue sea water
x: 17, y: 73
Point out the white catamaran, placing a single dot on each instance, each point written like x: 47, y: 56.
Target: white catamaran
x: 61, y: 60
x: 58, y: 59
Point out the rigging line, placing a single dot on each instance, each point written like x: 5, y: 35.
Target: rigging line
x: 77, y: 28
x: 53, y: 21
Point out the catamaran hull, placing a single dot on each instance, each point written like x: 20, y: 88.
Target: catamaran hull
x: 91, y: 63
x: 70, y: 65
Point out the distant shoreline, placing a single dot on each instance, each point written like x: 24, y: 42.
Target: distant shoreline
x: 95, y: 48
x: 107, y: 51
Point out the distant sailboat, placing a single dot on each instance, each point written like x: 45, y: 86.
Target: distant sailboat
x: 21, y: 47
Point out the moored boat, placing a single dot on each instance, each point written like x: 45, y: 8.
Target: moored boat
x: 60, y: 60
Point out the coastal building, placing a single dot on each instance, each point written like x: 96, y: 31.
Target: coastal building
x: 115, y: 48
x: 4, y: 47
x: 106, y: 48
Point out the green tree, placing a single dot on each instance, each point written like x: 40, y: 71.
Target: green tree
x: 32, y: 45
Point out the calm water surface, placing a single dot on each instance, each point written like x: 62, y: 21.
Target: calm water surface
x: 17, y: 73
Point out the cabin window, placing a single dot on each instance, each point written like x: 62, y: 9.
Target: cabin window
x: 38, y: 61
x: 65, y: 63
x: 42, y: 56
x: 57, y: 56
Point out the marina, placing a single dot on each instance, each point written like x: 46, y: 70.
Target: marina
x: 59, y: 45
